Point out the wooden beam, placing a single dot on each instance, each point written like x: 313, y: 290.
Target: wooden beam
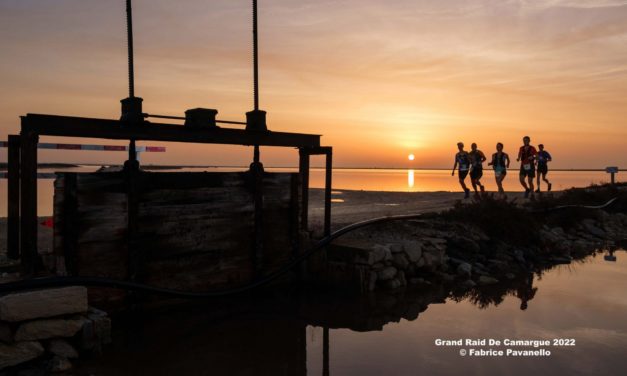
x: 13, y: 202
x: 67, y: 126
x: 28, y: 176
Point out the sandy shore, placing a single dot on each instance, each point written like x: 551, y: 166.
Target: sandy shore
x: 352, y: 206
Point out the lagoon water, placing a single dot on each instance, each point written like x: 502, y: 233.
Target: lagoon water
x: 583, y: 303
x: 396, y: 180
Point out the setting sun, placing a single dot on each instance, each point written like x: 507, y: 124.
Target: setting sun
x: 411, y: 157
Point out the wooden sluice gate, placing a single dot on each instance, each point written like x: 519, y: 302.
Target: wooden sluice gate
x: 179, y: 230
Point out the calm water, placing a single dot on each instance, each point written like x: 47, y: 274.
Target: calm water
x: 362, y: 179
x: 585, y: 302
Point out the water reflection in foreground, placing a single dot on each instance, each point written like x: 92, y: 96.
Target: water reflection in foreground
x: 390, y: 334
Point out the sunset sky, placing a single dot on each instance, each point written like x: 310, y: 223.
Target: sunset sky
x: 378, y: 79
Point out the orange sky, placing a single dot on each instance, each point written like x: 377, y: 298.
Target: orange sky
x: 377, y: 79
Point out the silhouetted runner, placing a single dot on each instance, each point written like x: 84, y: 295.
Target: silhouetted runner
x: 476, y: 172
x: 543, y: 169
x: 500, y: 164
x: 526, y: 291
x: 527, y: 156
x: 462, y: 159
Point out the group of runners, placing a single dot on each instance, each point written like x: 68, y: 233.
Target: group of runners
x: 531, y: 160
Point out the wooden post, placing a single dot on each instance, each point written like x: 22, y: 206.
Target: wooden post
x: 28, y: 176
x: 68, y: 224
x: 612, y: 178
x: 13, y: 199
x: 327, y: 191
x: 303, y: 169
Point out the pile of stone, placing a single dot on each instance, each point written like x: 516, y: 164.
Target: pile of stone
x: 49, y: 328
x: 387, y: 266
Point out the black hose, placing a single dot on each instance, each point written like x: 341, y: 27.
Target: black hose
x: 603, y: 206
x: 44, y: 282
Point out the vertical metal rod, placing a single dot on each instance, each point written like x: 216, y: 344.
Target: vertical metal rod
x: 327, y: 192
x: 28, y: 176
x: 129, y: 41
x: 257, y: 171
x: 256, y: 155
x: 303, y: 169
x: 132, y: 151
x: 325, y: 351
x: 255, y: 58
x: 13, y: 199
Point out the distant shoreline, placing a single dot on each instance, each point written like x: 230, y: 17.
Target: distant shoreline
x: 4, y: 166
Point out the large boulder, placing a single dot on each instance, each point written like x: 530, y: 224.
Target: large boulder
x: 62, y: 348
x: 400, y: 261
x: 43, y: 303
x: 413, y: 250
x: 48, y: 328
x: 18, y: 353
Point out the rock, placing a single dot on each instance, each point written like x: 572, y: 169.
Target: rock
x: 378, y: 253
x: 372, y: 281
x: 559, y: 232
x: 43, y: 303
x: 413, y: 250
x: 446, y: 277
x: 18, y: 353
x: 395, y: 248
x: 420, y: 263
x: 48, y: 328
x: 464, y: 269
x: 401, y: 277
x: 419, y: 281
x: 485, y: 280
x: 467, y: 284
x: 561, y: 260
x: 387, y: 273
x: 432, y: 261
x: 590, y: 226
x: 519, y: 256
x: 436, y: 242
x: 60, y: 364
x: 510, y: 276
x: 6, y: 333
x: 393, y: 283
x: 464, y: 244
x: 378, y: 266
x: 400, y: 261
x: 96, y: 331
x: 62, y: 348
x: 455, y: 260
